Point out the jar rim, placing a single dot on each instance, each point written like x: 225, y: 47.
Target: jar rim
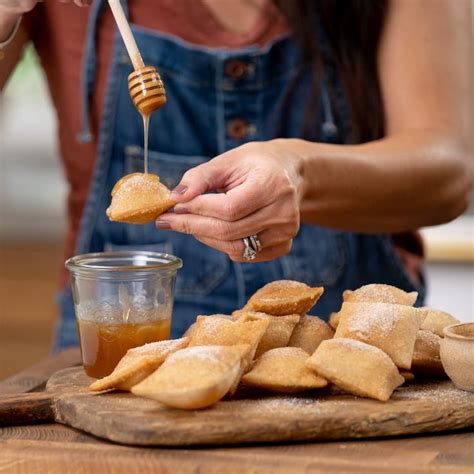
x: 150, y: 261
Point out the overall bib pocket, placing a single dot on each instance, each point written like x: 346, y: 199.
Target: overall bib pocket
x: 204, y: 268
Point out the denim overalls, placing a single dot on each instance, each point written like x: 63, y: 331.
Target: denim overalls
x: 211, y: 109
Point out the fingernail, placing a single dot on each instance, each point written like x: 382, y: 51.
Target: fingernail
x: 179, y: 209
x: 162, y: 225
x: 180, y: 189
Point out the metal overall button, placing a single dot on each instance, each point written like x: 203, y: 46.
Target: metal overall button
x: 236, y: 69
x: 238, y: 129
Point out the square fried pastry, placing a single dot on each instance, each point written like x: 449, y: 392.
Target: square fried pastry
x: 284, y: 297
x: 217, y: 330
x: 138, y: 363
x: 426, y: 358
x: 435, y: 321
x: 139, y: 198
x: 356, y: 367
x: 309, y: 333
x: 278, y: 332
x: 380, y: 293
x: 195, y: 377
x: 390, y: 327
x: 192, y: 327
x: 283, y: 370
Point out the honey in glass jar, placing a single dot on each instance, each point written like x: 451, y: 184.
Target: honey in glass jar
x: 103, y: 345
x: 122, y: 300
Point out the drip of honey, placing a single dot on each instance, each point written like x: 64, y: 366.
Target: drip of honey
x: 146, y: 123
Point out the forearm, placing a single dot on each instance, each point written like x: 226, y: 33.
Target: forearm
x: 398, y: 183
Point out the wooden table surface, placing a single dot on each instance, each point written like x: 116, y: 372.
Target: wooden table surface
x: 53, y: 448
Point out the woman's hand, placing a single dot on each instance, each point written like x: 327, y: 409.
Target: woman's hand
x: 258, y: 192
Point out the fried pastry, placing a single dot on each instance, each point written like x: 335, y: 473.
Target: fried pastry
x: 195, y: 377
x: 283, y: 370
x: 426, y: 358
x: 139, y: 198
x: 435, y: 321
x: 138, y: 363
x: 278, y: 332
x: 284, y: 297
x: 356, y: 367
x: 309, y: 333
x: 390, y: 327
x: 216, y: 330
x: 380, y: 293
x: 191, y: 329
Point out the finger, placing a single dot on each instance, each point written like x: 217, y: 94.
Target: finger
x: 235, y: 248
x: 234, y: 205
x: 199, y: 180
x: 209, y: 226
x: 269, y: 217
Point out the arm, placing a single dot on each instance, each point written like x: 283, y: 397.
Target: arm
x: 419, y: 174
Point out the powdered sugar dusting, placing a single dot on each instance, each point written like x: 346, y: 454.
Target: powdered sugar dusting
x: 354, y: 344
x: 367, y: 318
x: 380, y: 293
x: 158, y: 347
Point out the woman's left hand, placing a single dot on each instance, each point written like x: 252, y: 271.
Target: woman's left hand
x: 258, y: 188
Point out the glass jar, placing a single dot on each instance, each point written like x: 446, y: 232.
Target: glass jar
x: 122, y: 300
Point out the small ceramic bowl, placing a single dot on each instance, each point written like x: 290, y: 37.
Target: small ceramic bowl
x: 457, y: 354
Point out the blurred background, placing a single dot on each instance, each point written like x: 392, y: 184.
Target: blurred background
x: 32, y: 224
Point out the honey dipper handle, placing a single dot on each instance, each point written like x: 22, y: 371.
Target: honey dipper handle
x: 127, y: 34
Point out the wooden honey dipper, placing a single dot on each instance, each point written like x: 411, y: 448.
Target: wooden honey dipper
x: 144, y: 84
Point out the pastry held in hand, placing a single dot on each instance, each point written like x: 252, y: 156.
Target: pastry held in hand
x: 356, y: 367
x: 138, y: 363
x: 139, y: 198
x: 195, y: 377
x: 309, y: 333
x: 283, y: 297
x: 283, y: 370
x: 380, y: 293
x: 390, y: 327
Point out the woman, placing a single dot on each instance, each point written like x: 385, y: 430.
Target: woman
x: 356, y: 115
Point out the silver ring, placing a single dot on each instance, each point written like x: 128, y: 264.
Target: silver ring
x: 256, y: 244
x: 249, y: 251
x: 252, y: 246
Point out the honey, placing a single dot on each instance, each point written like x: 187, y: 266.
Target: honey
x: 104, y: 344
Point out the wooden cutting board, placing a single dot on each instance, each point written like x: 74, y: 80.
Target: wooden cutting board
x: 252, y: 416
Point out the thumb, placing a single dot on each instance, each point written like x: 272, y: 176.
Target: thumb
x: 204, y: 178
